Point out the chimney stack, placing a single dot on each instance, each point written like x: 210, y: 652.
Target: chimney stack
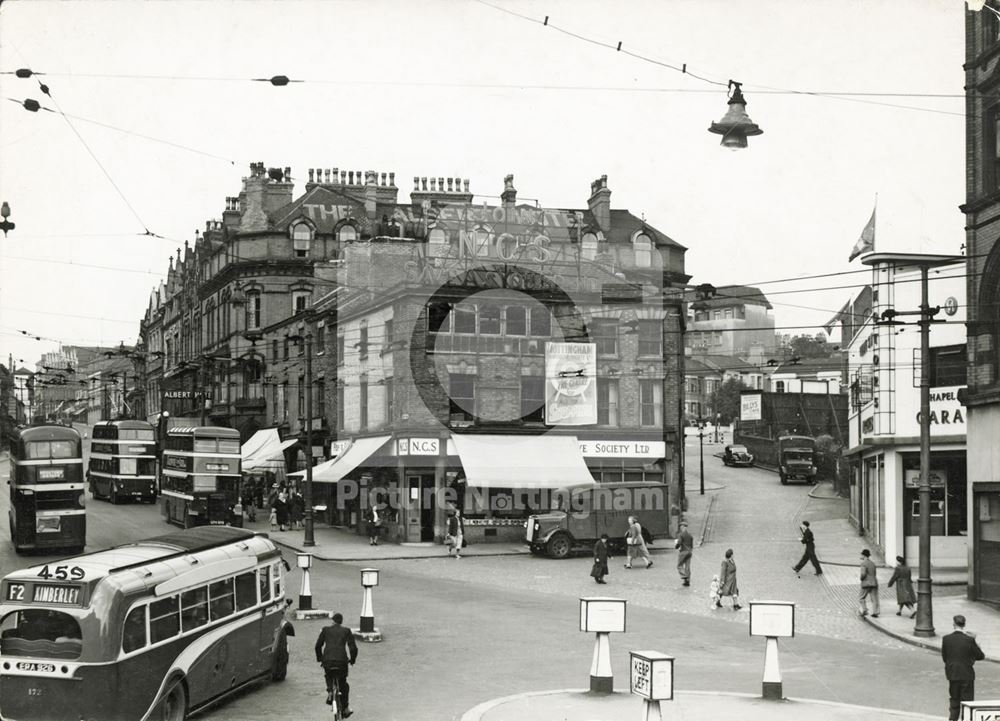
x: 600, y: 203
x: 509, y: 195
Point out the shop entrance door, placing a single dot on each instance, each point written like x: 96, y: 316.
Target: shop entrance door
x: 986, y: 512
x: 419, y: 507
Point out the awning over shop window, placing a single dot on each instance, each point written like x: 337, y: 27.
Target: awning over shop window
x: 265, y: 450
x: 356, y: 454
x: 548, y: 461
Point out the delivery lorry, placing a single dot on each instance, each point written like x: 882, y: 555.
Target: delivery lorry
x: 579, y: 517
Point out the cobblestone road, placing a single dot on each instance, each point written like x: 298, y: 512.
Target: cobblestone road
x: 752, y: 513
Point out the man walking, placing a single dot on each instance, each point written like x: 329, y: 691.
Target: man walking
x: 810, y: 552
x: 685, y: 549
x: 331, y: 650
x: 959, y: 651
x: 869, y: 585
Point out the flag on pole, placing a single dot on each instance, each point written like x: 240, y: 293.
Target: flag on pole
x: 866, y: 243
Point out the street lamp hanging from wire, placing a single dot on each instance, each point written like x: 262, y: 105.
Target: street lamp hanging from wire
x: 735, y: 126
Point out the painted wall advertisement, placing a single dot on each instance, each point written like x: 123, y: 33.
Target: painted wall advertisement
x: 570, y: 384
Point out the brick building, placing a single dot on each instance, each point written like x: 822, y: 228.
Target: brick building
x: 428, y: 322
x: 982, y: 213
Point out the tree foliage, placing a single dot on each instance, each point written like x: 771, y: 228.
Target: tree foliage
x: 726, y: 399
x: 808, y: 346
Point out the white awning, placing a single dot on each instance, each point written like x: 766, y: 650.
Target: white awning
x: 548, y: 461
x: 265, y: 449
x: 318, y: 468
x: 357, y: 453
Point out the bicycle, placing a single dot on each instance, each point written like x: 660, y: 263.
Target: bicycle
x: 335, y: 706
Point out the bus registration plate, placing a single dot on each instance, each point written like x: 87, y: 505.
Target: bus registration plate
x: 50, y: 474
x: 31, y: 666
x: 217, y: 466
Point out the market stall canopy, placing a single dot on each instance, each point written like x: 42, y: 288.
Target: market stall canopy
x: 548, y: 461
x: 360, y: 450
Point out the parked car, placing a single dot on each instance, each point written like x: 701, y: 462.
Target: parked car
x: 736, y: 455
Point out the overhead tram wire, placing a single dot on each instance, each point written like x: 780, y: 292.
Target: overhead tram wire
x: 683, y: 69
x: 34, y: 107
x: 281, y: 80
x: 47, y: 91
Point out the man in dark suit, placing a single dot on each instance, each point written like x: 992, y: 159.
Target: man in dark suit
x: 331, y: 650
x: 959, y: 651
x: 810, y: 552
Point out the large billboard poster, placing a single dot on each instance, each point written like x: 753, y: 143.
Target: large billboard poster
x: 570, y: 384
x: 750, y: 407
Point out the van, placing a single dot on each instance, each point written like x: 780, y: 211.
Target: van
x: 579, y: 516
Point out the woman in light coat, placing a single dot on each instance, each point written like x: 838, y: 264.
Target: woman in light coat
x: 727, y: 581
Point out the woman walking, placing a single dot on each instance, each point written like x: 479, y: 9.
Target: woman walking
x: 600, y: 568
x: 456, y: 534
x: 727, y: 581
x: 902, y: 577
x: 281, y: 510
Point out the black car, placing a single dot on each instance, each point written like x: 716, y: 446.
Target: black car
x: 737, y: 456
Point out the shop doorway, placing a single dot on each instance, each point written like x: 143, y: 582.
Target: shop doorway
x: 419, y: 508
x: 986, y: 510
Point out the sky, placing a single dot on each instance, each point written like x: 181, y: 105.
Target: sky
x: 162, y: 119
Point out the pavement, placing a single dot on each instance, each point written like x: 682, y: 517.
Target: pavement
x: 838, y: 550
x: 686, y: 706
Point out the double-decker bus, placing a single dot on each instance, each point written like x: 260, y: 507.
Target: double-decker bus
x: 200, y: 477
x: 156, y: 629
x: 47, y: 498
x: 123, y: 461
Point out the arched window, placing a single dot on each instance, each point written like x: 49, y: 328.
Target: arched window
x: 302, y: 235
x: 347, y: 233
x: 779, y: 386
x: 643, y: 248
x: 588, y: 246
x: 437, y: 236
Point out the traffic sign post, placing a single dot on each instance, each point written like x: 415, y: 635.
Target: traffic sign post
x: 603, y: 616
x: 651, y: 676
x: 772, y: 620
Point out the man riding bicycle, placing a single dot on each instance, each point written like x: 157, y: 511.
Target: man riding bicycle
x: 332, y: 648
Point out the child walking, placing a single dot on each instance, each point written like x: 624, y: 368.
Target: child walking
x: 713, y: 593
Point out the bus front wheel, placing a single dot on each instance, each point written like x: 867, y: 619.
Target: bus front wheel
x: 173, y: 707
x: 280, y: 666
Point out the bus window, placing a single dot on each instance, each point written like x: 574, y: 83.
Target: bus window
x: 136, y: 435
x: 127, y: 466
x: 134, y: 632
x: 265, y: 584
x: 276, y: 579
x: 246, y: 591
x: 40, y: 633
x: 227, y: 445
x: 194, y: 608
x: 51, y: 449
x: 164, y: 619
x: 220, y: 599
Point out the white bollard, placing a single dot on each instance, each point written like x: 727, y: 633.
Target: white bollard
x: 601, y: 678
x: 771, y: 684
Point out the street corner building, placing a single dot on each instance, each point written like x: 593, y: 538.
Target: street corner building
x: 442, y: 352
x: 982, y: 223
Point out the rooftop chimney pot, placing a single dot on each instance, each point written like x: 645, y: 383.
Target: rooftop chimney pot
x: 392, y: 180
x: 416, y: 183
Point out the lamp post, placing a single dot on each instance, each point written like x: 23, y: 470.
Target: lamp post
x: 701, y: 456
x: 309, y: 539
x: 924, y: 262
